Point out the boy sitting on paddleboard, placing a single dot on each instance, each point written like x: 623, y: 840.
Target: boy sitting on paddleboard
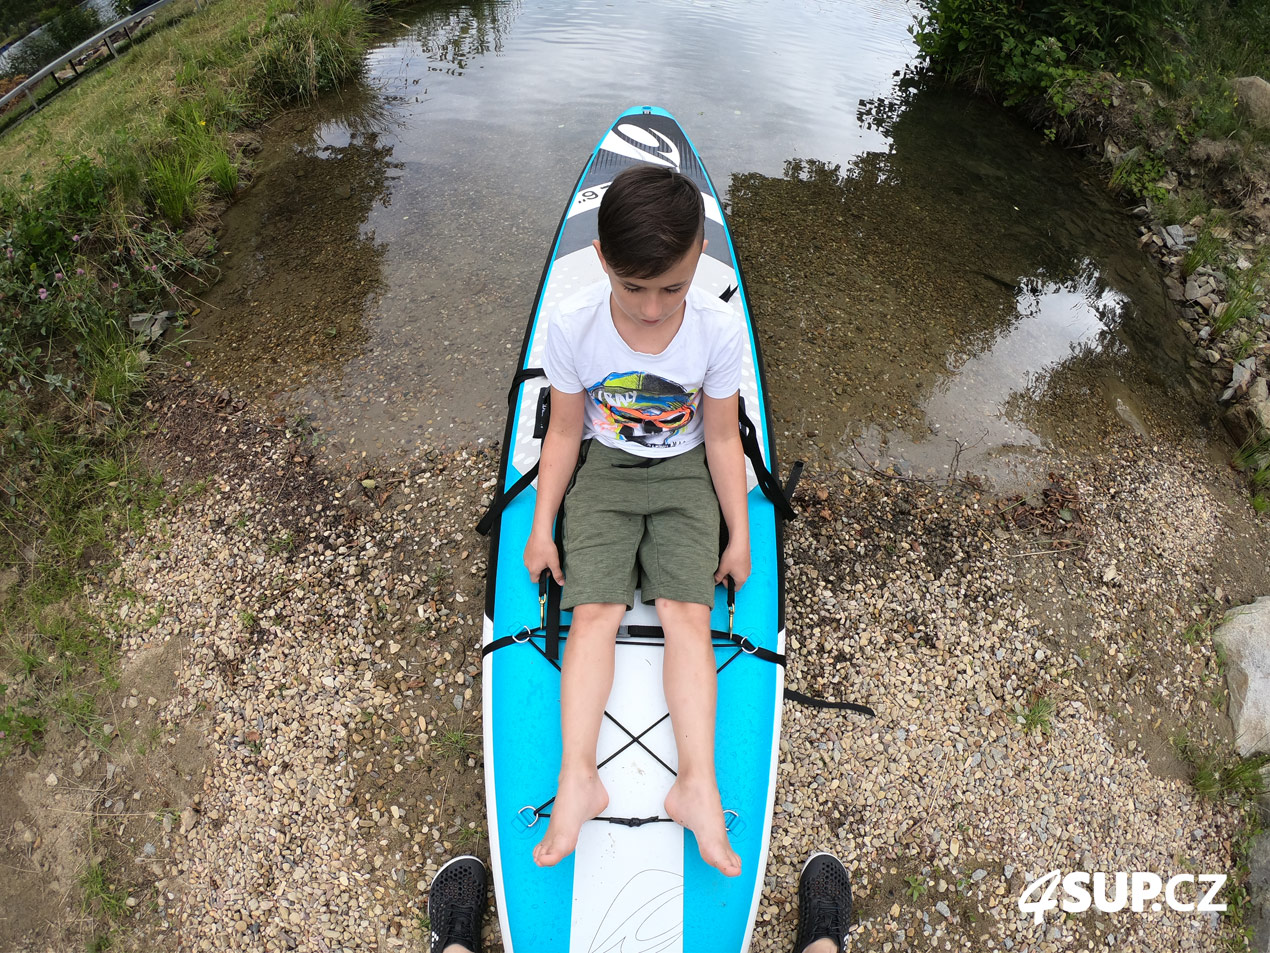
x: 645, y: 374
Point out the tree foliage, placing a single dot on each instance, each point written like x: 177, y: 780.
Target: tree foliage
x: 64, y: 33
x: 21, y: 16
x: 1021, y: 50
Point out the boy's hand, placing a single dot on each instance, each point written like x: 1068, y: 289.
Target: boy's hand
x: 540, y: 554
x: 734, y: 562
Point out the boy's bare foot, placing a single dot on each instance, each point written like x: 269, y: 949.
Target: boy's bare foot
x: 579, y: 797
x: 697, y: 807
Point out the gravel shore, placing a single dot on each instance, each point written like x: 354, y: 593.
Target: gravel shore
x: 319, y: 626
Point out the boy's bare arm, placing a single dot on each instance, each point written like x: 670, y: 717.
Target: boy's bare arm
x: 727, y: 469
x: 555, y: 469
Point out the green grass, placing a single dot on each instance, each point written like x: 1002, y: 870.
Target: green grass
x: 916, y: 887
x: 1207, y: 250
x: 74, y: 500
x: 456, y: 744
x: 1232, y: 780
x: 1037, y: 717
x: 223, y: 173
x: 282, y: 543
x: 93, y: 191
x: 175, y: 185
x: 1226, y: 778
x: 1222, y: 776
x: 311, y: 48
x: 1240, y: 908
x: 19, y: 728
x: 1245, y: 293
x: 98, y: 895
x: 104, y: 902
x: 233, y: 63
x: 1254, y: 459
x: 1200, y: 632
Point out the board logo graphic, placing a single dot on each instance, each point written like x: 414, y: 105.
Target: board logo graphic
x: 646, y: 916
x: 636, y: 142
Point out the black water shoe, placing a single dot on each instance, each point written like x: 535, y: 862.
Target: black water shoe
x: 456, y: 903
x: 824, y: 902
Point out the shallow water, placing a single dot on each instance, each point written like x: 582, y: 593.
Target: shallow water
x: 929, y: 279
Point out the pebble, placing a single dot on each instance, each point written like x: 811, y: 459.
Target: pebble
x: 302, y: 673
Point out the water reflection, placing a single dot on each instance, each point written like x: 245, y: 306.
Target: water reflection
x: 979, y: 403
x: 919, y: 304
x: 926, y: 274
x: 298, y: 267
x: 450, y: 38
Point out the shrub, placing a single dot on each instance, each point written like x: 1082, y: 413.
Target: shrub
x: 1026, y: 51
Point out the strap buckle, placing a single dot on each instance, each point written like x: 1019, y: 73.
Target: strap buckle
x: 533, y: 812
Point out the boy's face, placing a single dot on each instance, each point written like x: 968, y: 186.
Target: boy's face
x: 651, y: 302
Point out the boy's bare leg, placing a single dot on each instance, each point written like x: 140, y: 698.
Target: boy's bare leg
x: 691, y: 686
x: 586, y: 677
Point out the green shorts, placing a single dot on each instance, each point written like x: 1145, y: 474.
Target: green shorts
x: 627, y: 524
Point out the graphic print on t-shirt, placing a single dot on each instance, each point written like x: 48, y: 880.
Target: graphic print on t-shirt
x: 643, y: 408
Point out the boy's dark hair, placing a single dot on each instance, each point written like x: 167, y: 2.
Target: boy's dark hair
x: 650, y: 217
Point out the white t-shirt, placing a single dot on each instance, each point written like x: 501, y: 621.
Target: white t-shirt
x: 645, y: 404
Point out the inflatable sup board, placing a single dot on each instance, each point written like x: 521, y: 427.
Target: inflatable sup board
x: 636, y: 883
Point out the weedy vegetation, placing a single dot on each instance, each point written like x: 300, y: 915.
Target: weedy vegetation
x: 92, y: 232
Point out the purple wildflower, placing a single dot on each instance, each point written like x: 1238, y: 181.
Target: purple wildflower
x: 44, y: 293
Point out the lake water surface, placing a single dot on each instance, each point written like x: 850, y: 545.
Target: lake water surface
x: 931, y: 281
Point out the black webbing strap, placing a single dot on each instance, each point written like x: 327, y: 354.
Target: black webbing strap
x: 740, y: 641
x: 624, y: 821
x: 522, y: 375
x: 771, y: 489
x: 744, y: 647
x: 501, y: 499
x: 794, y: 695
x: 636, y: 821
x: 552, y: 620
x: 795, y: 474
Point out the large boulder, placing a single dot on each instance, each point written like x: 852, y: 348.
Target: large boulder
x: 1253, y: 94
x: 1244, y: 637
